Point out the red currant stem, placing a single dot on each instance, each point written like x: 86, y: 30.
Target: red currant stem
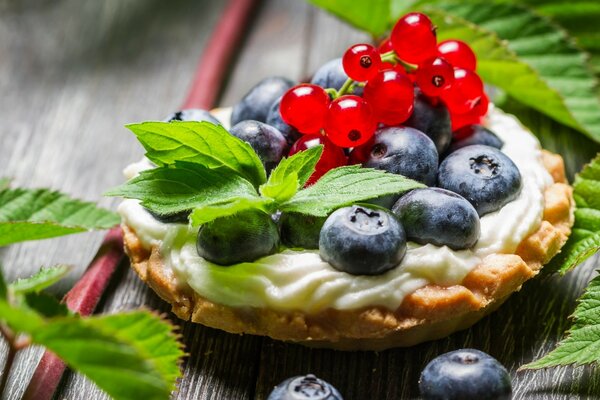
x: 332, y: 93
x: 346, y: 88
x: 391, y: 57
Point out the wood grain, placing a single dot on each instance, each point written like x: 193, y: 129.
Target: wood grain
x: 73, y: 72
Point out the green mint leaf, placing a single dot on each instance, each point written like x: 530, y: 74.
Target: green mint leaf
x: 210, y: 212
x: 184, y: 186
x: 3, y: 285
x: 529, y: 57
x: 582, y: 345
x: 32, y: 214
x: 291, y: 174
x: 585, y: 238
x: 344, y: 186
x: 45, y: 305
x: 133, y: 355
x: 199, y: 142
x: 371, y: 16
x: 4, y: 183
x: 44, y: 278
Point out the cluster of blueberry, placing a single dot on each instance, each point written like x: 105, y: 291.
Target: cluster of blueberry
x: 460, y: 374
x: 413, y: 107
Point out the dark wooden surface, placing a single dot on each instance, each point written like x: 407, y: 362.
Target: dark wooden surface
x: 73, y: 72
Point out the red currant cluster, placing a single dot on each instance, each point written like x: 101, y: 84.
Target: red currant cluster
x: 410, y: 56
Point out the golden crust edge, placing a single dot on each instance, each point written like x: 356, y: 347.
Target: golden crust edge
x: 429, y: 313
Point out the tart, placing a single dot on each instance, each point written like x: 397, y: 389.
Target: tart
x: 484, y: 209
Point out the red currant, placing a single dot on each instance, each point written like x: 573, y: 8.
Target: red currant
x: 482, y: 106
x: 413, y: 38
x: 391, y: 95
x: 361, y: 62
x: 385, y: 46
x: 350, y: 121
x: 458, y: 53
x: 332, y: 156
x: 305, y: 107
x: 460, y: 120
x: 434, y: 75
x: 465, y: 92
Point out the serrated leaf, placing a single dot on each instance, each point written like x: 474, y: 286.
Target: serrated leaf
x: 584, y: 240
x: 582, y: 345
x: 210, y: 212
x: 44, y: 278
x: 371, y: 16
x: 344, y: 186
x: 528, y: 56
x: 291, y: 174
x: 184, y: 186
x: 32, y: 214
x: 199, y: 142
x: 135, y: 360
x: 46, y: 305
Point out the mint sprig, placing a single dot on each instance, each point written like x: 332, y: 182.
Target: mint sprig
x: 215, y: 193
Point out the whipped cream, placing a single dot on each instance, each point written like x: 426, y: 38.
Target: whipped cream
x: 300, y: 280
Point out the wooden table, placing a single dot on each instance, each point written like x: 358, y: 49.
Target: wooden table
x: 73, y: 72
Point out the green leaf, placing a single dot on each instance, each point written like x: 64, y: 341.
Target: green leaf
x: 31, y: 214
x: 582, y: 345
x: 210, y: 212
x: 199, y: 142
x: 529, y: 57
x: 585, y: 239
x: 371, y: 16
x: 344, y: 186
x: 3, y: 285
x: 291, y: 174
x: 134, y: 355
x: 184, y: 186
x: 44, y: 278
x: 46, y: 305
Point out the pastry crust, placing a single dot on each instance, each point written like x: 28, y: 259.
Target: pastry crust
x: 429, y: 313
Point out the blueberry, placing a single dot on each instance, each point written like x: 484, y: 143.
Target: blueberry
x: 256, y: 103
x: 465, y: 374
x: 274, y: 119
x: 176, y: 218
x: 433, y: 120
x: 192, y: 114
x: 362, y: 241
x: 307, y: 387
x: 475, y: 134
x: 299, y: 230
x: 330, y: 75
x: 243, y: 237
x: 438, y: 216
x: 481, y: 174
x: 405, y: 151
x: 267, y: 142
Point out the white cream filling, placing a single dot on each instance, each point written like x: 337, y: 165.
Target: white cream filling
x: 300, y: 280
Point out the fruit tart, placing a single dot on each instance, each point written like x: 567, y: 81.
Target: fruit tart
x: 394, y: 204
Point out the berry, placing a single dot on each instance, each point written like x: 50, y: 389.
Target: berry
x: 192, y: 114
x: 362, y: 241
x: 465, y: 374
x: 305, y: 107
x: 438, y: 216
x: 405, y: 151
x: 244, y: 237
x: 474, y: 134
x: 256, y: 103
x: 390, y: 93
x: 481, y: 174
x: 465, y: 92
x: 361, y: 62
x: 300, y: 230
x: 307, y: 387
x: 434, y: 76
x: 267, y: 142
x: 431, y: 117
x: 350, y: 121
x: 413, y: 38
x: 330, y: 75
x: 274, y: 119
x: 332, y: 156
x: 385, y: 46
x: 458, y: 53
